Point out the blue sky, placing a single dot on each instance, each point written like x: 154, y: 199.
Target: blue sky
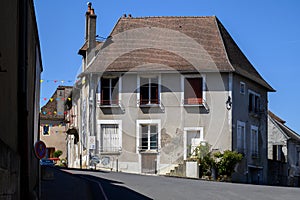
x: 268, y: 32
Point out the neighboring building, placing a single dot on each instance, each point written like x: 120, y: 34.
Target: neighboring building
x: 159, y: 86
x: 20, y: 69
x: 52, y: 122
x: 75, y: 149
x: 283, y: 153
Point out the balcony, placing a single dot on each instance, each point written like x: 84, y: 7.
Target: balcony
x: 151, y: 105
x: 111, y: 106
x: 195, y: 102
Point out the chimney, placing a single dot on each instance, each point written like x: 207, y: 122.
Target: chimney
x: 90, y: 32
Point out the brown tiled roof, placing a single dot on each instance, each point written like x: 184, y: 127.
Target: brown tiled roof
x: 83, y: 49
x: 48, y: 111
x: 286, y: 130
x: 141, y: 43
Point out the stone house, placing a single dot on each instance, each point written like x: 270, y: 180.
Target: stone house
x: 283, y: 153
x: 52, y: 122
x: 159, y: 86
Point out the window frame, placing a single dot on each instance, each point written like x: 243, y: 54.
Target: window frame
x: 242, y: 85
x: 149, y: 77
x: 183, y: 78
x: 99, y: 132
x: 99, y: 95
x: 254, y: 148
x: 243, y: 148
x: 139, y: 123
x: 255, y: 106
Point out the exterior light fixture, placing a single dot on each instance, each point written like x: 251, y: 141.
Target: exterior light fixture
x: 228, y: 103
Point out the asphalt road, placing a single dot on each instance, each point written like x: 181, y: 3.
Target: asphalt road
x: 132, y: 186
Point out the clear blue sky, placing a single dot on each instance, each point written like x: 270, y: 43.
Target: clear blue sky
x: 268, y: 32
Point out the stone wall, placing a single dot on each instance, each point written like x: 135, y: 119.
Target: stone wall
x: 9, y: 173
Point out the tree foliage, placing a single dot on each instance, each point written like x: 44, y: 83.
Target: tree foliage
x: 57, y: 153
x: 224, y: 163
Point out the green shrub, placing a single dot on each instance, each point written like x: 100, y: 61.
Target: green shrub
x: 57, y: 153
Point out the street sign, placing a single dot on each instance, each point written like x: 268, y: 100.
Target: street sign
x: 40, y: 149
x: 92, y: 142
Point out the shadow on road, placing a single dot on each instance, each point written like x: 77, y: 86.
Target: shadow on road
x: 115, y: 190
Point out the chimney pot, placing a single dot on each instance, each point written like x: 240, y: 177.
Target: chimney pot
x: 124, y: 15
x: 89, y: 6
x: 129, y: 16
x: 92, y: 11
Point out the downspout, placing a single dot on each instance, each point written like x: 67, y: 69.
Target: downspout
x: 229, y: 114
x: 23, y: 140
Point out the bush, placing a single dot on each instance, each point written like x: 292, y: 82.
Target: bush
x: 221, y: 163
x: 57, y: 153
x: 227, y: 162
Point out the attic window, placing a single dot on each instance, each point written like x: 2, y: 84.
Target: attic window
x: 242, y: 87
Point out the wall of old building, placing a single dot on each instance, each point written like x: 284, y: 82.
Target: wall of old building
x: 20, y: 68
x: 174, y: 119
x: 251, y: 169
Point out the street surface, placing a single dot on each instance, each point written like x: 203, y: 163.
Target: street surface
x: 131, y: 186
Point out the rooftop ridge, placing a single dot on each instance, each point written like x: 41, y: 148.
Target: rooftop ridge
x: 146, y: 17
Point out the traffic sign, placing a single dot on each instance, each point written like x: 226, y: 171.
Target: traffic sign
x: 40, y: 149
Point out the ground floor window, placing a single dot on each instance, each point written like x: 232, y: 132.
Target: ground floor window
x: 149, y: 137
x: 241, y: 133
x: 109, y: 136
x: 254, y: 141
x: 110, y: 141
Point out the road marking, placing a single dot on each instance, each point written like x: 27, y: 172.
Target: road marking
x: 99, y: 185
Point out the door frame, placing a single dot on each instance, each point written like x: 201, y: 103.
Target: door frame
x: 148, y: 121
x: 185, y: 132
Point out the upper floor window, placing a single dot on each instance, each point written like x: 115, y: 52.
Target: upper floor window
x: 149, y: 90
x: 278, y: 153
x: 109, y: 91
x: 193, y: 90
x: 46, y: 130
x: 254, y: 102
x: 242, y: 87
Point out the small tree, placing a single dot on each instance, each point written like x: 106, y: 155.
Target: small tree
x: 227, y: 161
x: 57, y: 153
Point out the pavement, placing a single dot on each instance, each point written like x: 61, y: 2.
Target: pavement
x: 59, y: 184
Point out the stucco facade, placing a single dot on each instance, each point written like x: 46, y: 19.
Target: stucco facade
x: 147, y: 102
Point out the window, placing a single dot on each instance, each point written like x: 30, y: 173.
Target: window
x: 254, y: 141
x: 241, y: 142
x: 149, y: 91
x: 254, y: 102
x: 46, y: 130
x: 109, y: 91
x: 149, y: 137
x: 242, y: 87
x: 278, y: 153
x: 193, y: 90
x: 109, y: 138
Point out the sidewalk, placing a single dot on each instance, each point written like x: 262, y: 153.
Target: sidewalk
x: 58, y: 184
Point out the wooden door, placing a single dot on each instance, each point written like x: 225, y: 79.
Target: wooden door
x: 149, y: 163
